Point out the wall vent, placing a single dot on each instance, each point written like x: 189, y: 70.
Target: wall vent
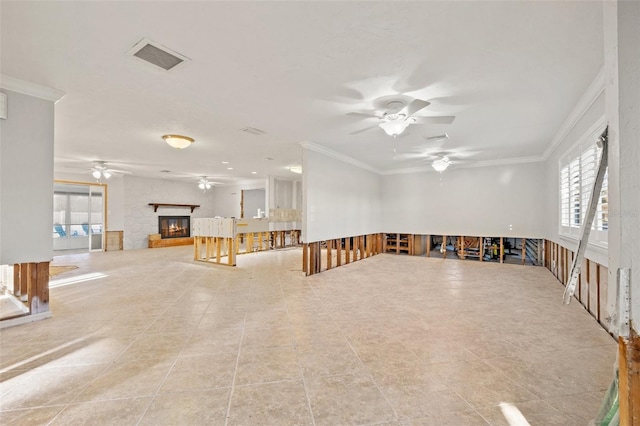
x: 253, y: 131
x: 157, y: 55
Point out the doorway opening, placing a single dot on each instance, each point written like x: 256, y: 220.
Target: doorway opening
x: 78, y: 216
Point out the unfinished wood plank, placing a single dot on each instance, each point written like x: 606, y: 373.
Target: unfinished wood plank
x: 231, y: 252
x: 16, y: 279
x: 561, y: 264
x: 329, y: 244
x: 361, y: 247
x: 347, y: 250
x: 629, y: 379
x: 339, y: 252
x: 218, y: 248
x: 461, y: 247
x: 481, y: 248
x: 524, y: 250
x: 24, y: 281
x: 38, y: 290
x: 354, y: 248
x: 501, y: 249
x: 428, y: 245
x: 318, y: 256
x: 443, y: 247
x: 305, y: 258
x: 249, y: 242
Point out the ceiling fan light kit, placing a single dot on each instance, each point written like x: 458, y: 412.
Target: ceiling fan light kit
x: 441, y: 164
x: 395, y: 124
x: 204, y: 183
x: 100, y: 171
x: 178, y: 141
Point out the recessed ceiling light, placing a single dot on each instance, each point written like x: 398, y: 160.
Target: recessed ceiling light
x: 295, y: 169
x: 229, y: 168
x: 224, y: 162
x: 254, y: 173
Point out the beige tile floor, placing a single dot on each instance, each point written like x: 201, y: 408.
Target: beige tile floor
x: 156, y: 338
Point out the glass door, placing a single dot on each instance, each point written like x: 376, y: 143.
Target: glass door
x: 78, y: 216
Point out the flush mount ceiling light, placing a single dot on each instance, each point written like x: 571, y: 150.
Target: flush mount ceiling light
x: 204, y: 183
x: 395, y: 124
x: 178, y: 141
x: 441, y: 164
x: 295, y: 169
x: 100, y: 171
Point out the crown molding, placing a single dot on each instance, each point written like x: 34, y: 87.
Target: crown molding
x: 31, y: 89
x: 588, y: 98
x: 504, y: 162
x: 333, y: 154
x: 475, y: 164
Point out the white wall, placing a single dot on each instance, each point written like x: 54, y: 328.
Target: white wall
x: 482, y: 201
x: 592, y: 118
x: 140, y: 219
x: 622, y: 76
x: 227, y: 197
x: 254, y: 199
x: 26, y: 180
x: 339, y: 199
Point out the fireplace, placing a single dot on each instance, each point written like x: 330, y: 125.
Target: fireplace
x: 174, y: 226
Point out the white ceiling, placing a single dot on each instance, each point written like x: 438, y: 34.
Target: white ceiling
x: 509, y: 71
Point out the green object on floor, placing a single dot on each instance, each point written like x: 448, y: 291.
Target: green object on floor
x: 608, y: 414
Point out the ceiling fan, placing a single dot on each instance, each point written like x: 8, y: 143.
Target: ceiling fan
x: 100, y: 170
x: 399, y: 116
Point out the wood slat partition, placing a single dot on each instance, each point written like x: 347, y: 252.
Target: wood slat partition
x: 352, y: 248
x: 592, y: 281
x: 31, y: 285
x: 215, y: 248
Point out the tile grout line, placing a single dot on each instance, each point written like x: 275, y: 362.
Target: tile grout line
x: 373, y: 380
x: 295, y: 348
x: 164, y: 379
x: 235, y: 372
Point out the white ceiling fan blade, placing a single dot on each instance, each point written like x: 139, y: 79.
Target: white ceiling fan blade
x: 362, y: 115
x: 415, y: 106
x: 366, y: 129
x: 443, y: 119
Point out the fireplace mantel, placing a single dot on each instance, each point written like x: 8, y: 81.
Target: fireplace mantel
x: 156, y: 205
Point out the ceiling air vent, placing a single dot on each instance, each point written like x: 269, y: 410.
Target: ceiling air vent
x: 253, y: 130
x: 157, y: 54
